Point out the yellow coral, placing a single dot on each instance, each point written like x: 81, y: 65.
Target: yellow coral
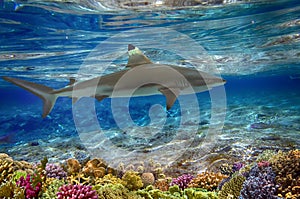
x: 207, y: 180
x: 6, y: 170
x: 11, y: 190
x: 286, y: 165
x: 232, y: 188
x: 95, y: 168
x: 132, y: 180
x: 108, y: 179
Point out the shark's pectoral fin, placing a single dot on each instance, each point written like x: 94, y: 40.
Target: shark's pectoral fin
x: 171, y: 95
x: 100, y: 97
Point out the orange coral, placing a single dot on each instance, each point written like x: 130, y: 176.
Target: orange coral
x: 207, y: 180
x: 73, y: 166
x: 95, y: 168
x: 162, y: 184
x: 147, y: 179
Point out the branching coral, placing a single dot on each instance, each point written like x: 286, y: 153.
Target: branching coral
x: 232, y: 188
x: 6, y: 169
x: 11, y: 190
x: 76, y: 191
x: 287, y: 169
x: 162, y: 184
x: 207, y: 180
x: 115, y: 191
x: 108, y: 179
x: 73, y: 166
x: 182, y: 181
x: 132, y: 180
x: 260, y: 184
x: 52, y: 188
x: 55, y: 171
x: 32, y: 188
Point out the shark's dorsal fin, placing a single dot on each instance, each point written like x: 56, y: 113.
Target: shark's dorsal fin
x: 136, y: 57
x: 72, y: 81
x: 171, y: 95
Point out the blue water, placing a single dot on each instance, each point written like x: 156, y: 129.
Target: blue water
x: 254, y: 46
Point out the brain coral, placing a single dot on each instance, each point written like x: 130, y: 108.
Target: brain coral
x: 286, y: 165
x: 232, y: 188
x: 207, y: 180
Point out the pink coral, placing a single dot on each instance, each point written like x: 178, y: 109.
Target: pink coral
x: 76, y: 192
x: 31, y: 190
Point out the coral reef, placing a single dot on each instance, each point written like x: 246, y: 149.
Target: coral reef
x: 32, y: 187
x: 207, y: 180
x: 55, y: 171
x: 132, y: 181
x: 115, y: 191
x: 50, y: 191
x: 232, y: 188
x: 95, y: 168
x: 76, y: 191
x: 11, y: 190
x: 182, y: 181
x: 6, y: 169
x: 147, y: 179
x: 259, y: 184
x: 73, y: 166
x: 286, y: 165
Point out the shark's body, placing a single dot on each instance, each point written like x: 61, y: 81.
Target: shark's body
x: 140, y: 75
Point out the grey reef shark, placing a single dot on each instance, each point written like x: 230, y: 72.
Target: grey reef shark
x: 140, y: 75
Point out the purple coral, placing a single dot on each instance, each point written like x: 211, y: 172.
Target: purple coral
x: 55, y: 171
x: 31, y: 191
x: 260, y: 184
x: 237, y: 166
x: 76, y: 192
x: 182, y: 181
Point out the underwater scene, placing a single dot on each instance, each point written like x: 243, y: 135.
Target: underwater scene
x: 150, y: 99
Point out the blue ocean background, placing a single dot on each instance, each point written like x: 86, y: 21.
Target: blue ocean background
x: 255, y: 46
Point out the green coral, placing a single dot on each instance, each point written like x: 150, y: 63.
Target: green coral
x: 132, y: 180
x: 108, y: 179
x: 176, y: 193
x: 266, y: 156
x: 52, y: 189
x: 115, y: 191
x: 232, y: 188
x: 18, y: 174
x: 11, y: 190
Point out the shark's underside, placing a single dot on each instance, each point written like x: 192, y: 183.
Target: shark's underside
x: 141, y: 77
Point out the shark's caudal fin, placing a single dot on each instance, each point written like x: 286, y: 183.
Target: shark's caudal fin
x: 44, y: 92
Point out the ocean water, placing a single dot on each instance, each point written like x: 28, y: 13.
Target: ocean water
x: 254, y: 45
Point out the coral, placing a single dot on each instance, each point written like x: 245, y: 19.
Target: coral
x: 237, y: 166
x: 260, y: 184
x: 132, y: 180
x: 79, y: 178
x: 162, y: 184
x: 32, y: 188
x: 286, y: 165
x: 6, y: 169
x: 147, y: 179
x: 265, y: 156
x: 95, y: 168
x: 182, y: 181
x: 115, y: 191
x: 195, y: 193
x: 11, y: 190
x: 226, y: 169
x: 108, y: 179
x: 207, y: 180
x: 73, y: 166
x: 232, y: 188
x: 55, y: 171
x: 263, y: 164
x: 76, y: 191
x: 52, y: 188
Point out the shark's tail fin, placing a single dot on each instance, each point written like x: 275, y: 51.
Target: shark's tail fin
x: 44, y: 92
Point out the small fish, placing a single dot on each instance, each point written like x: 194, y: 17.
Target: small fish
x: 160, y: 78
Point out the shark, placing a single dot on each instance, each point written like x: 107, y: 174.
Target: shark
x: 140, y: 75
